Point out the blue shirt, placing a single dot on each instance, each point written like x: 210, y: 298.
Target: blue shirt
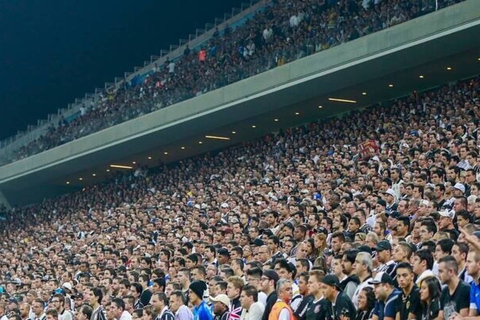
x: 387, y: 308
x: 202, y: 312
x: 475, y: 296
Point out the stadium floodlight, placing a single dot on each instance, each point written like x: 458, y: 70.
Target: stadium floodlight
x: 119, y: 166
x: 342, y: 100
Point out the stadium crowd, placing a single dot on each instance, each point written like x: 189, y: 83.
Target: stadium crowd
x: 374, y: 216
x: 283, y: 32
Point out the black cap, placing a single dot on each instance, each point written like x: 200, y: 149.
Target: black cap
x: 365, y: 248
x: 383, y: 245
x: 258, y: 242
x: 271, y: 274
x: 332, y: 280
x: 382, y: 202
x: 394, y: 214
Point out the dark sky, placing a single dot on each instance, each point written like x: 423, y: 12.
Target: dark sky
x: 53, y: 51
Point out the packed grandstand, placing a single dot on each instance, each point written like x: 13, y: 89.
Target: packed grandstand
x: 374, y: 216
x: 279, y: 33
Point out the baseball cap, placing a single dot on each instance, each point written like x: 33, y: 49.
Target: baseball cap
x: 447, y: 214
x: 383, y: 245
x: 271, y: 274
x: 382, y: 202
x: 391, y: 192
x: 332, y: 280
x: 381, y: 277
x: 460, y: 187
x: 223, y: 298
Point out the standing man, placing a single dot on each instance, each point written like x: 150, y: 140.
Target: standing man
x: 268, y: 282
x: 159, y: 302
x: 58, y: 302
x: 94, y: 296
x: 220, y: 307
x: 200, y: 309
x: 252, y: 308
x: 317, y: 306
x: 281, y: 309
x: 118, y: 309
x: 341, y: 306
x: 177, y: 305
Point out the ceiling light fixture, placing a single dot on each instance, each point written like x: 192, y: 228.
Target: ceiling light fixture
x: 364, y: 93
x: 68, y: 182
x: 134, y: 162
x: 108, y: 170
x: 81, y: 179
x: 200, y: 142
x: 149, y: 158
x: 320, y: 107
x: 390, y: 85
x: 297, y: 113
x: 421, y: 76
x: 217, y: 137
x: 276, y: 120
x: 449, y: 68
x: 183, y: 148
x: 94, y: 174
x: 165, y: 153
x: 234, y: 132
x: 119, y: 166
x: 254, y: 126
x: 342, y: 100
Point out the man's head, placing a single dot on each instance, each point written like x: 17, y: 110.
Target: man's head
x: 177, y: 299
x: 117, y: 307
x: 284, y: 290
x: 248, y: 296
x: 221, y: 304
x: 447, y: 269
x: 405, y: 275
x: 383, y: 285
x: 330, y: 287
x: 234, y: 287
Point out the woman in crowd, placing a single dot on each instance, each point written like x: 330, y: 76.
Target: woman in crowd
x: 366, y: 302
x: 430, y: 290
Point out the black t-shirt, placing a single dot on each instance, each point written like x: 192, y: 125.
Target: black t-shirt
x: 317, y: 310
x: 301, y: 311
x: 271, y: 300
x: 460, y: 299
x: 431, y: 311
x: 409, y: 304
x: 343, y: 307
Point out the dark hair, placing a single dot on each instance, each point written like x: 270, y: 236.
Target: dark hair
x: 178, y: 294
x: 138, y: 287
x: 86, y: 310
x: 446, y: 245
x: 160, y: 282
x: 405, y: 221
x: 434, y: 288
x: 350, y: 255
x: 370, y: 298
x: 119, y: 303
x: 251, y: 291
x: 426, y: 255
x: 450, y: 263
x: 405, y: 265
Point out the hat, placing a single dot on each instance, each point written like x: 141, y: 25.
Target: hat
x: 223, y: 252
x: 382, y: 202
x: 447, y: 214
x: 258, y: 242
x: 198, y: 287
x: 271, y: 274
x: 332, y: 280
x: 460, y: 187
x: 224, y: 205
x: 383, y: 245
x: 391, y: 192
x: 67, y: 285
x: 394, y: 214
x: 131, y: 238
x: 223, y: 298
x: 381, y: 277
x: 365, y: 248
